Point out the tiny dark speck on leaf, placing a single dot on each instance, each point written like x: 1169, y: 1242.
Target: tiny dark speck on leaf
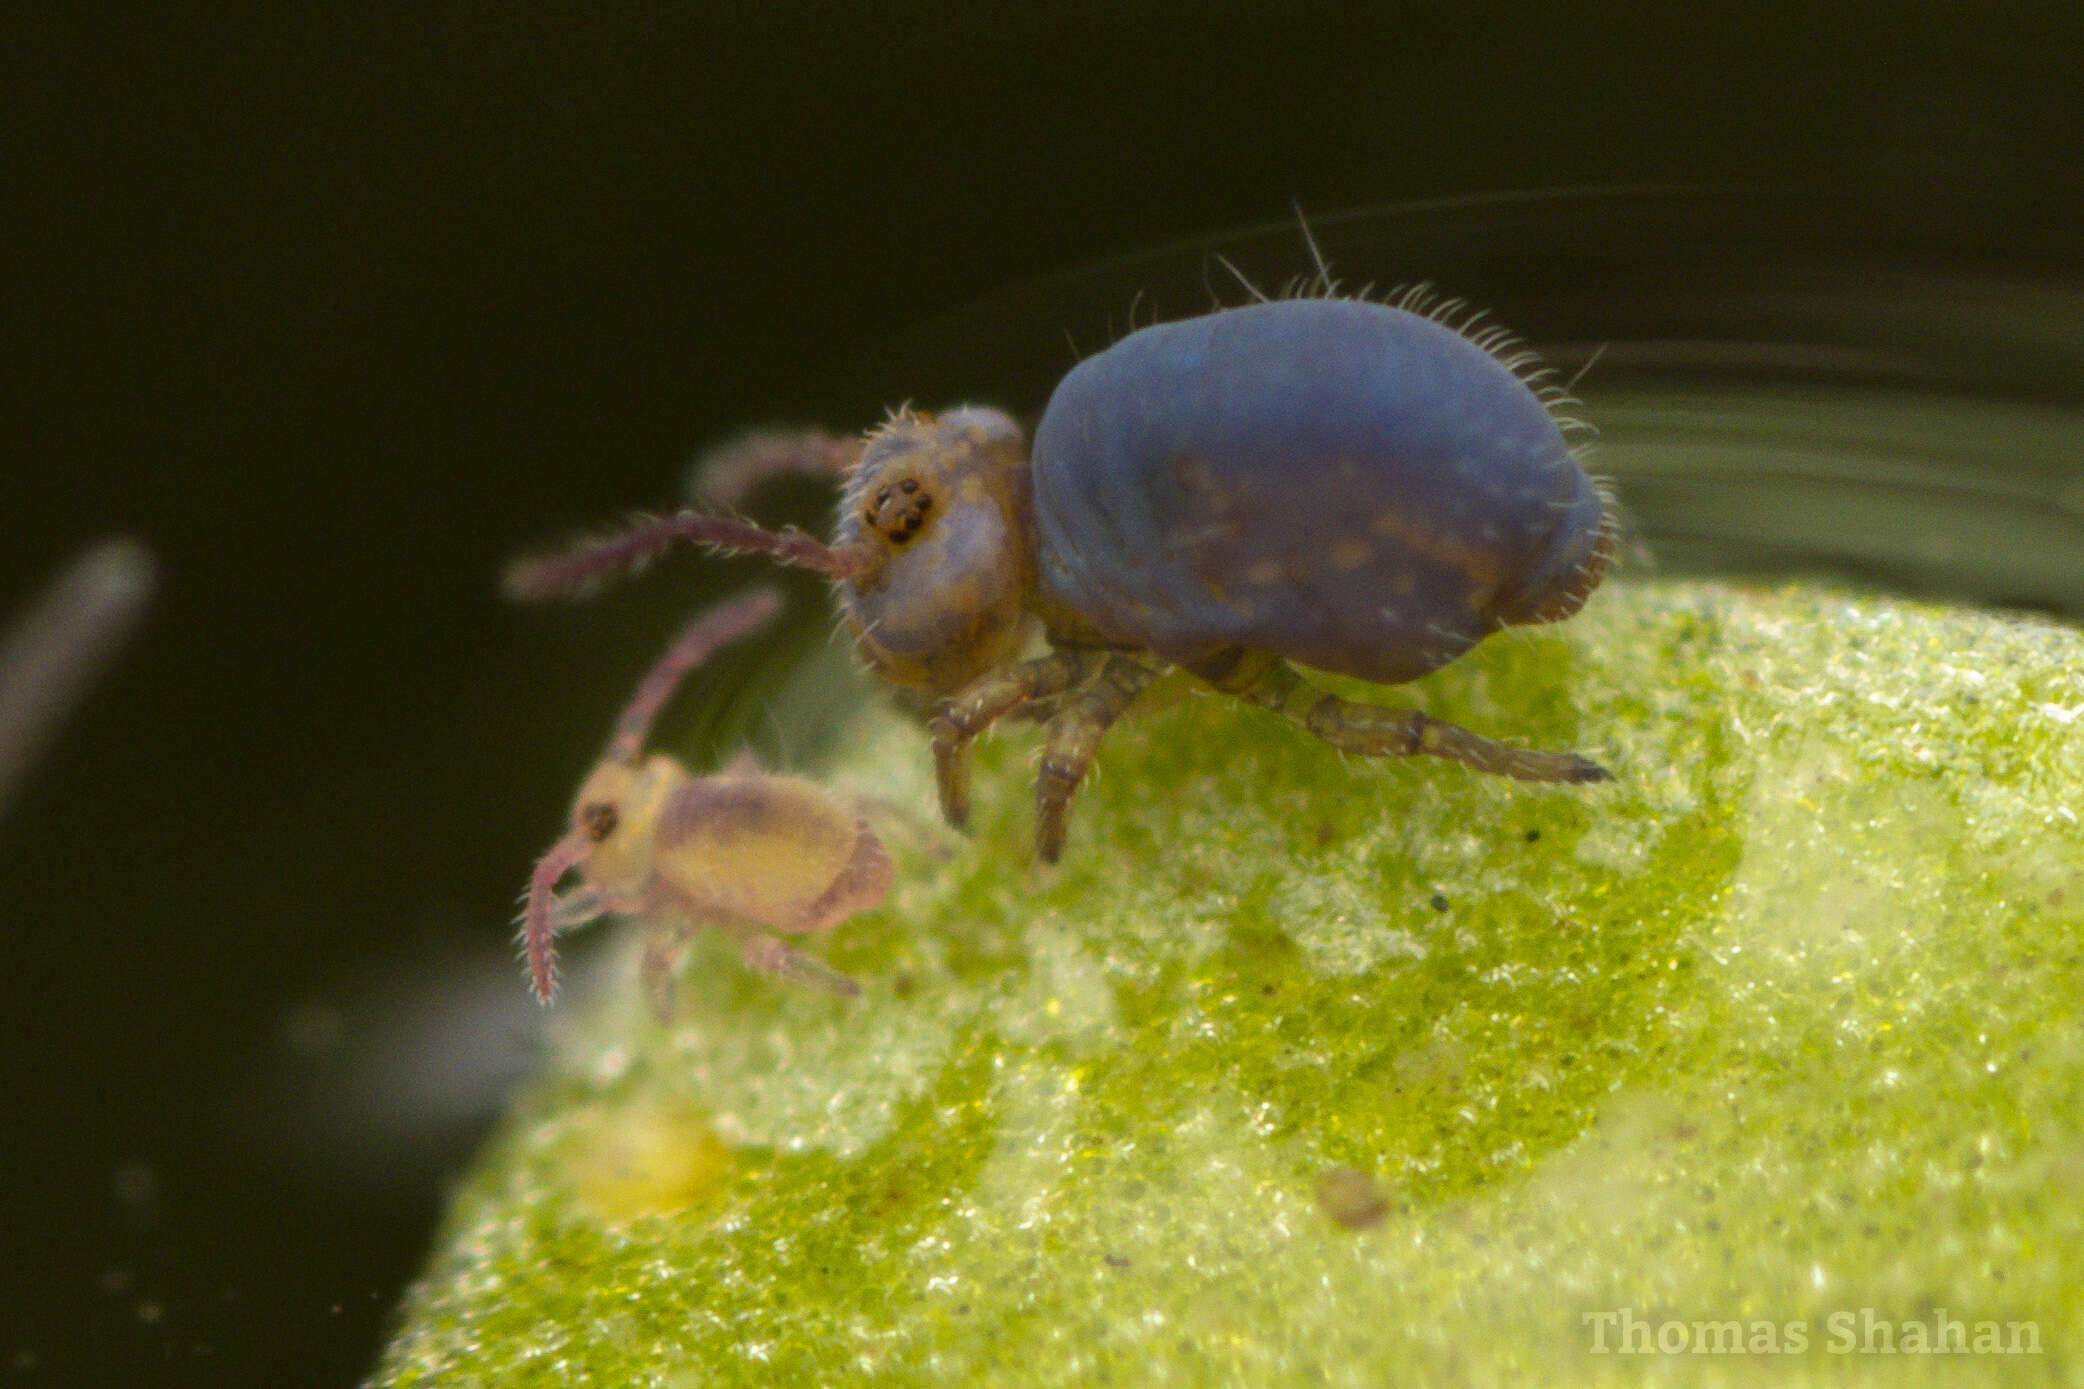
x: 1116, y: 1260
x: 1351, y: 1198
x: 1533, y: 836
x: 1439, y: 902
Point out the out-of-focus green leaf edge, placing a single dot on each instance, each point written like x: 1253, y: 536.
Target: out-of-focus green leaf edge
x: 1780, y: 1029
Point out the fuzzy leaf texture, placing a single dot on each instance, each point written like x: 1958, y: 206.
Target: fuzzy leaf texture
x: 1782, y: 1025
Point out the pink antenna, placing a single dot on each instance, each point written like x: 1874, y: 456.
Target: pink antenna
x: 585, y: 564
x: 724, y: 477
x: 702, y: 636
x: 536, y: 930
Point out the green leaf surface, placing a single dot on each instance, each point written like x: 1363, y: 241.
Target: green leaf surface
x: 1779, y: 1029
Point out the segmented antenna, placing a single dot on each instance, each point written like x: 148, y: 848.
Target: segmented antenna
x: 536, y: 930
x: 701, y: 637
x: 585, y: 565
x: 725, y: 476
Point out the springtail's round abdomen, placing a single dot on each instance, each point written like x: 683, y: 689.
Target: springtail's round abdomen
x: 1341, y: 483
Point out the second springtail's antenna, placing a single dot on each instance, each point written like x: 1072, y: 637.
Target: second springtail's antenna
x: 716, y: 627
x: 536, y: 928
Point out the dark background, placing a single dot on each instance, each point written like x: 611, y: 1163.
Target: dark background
x: 337, y: 311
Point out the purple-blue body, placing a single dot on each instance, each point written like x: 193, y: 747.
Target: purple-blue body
x: 1317, y: 482
x: 1341, y: 483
